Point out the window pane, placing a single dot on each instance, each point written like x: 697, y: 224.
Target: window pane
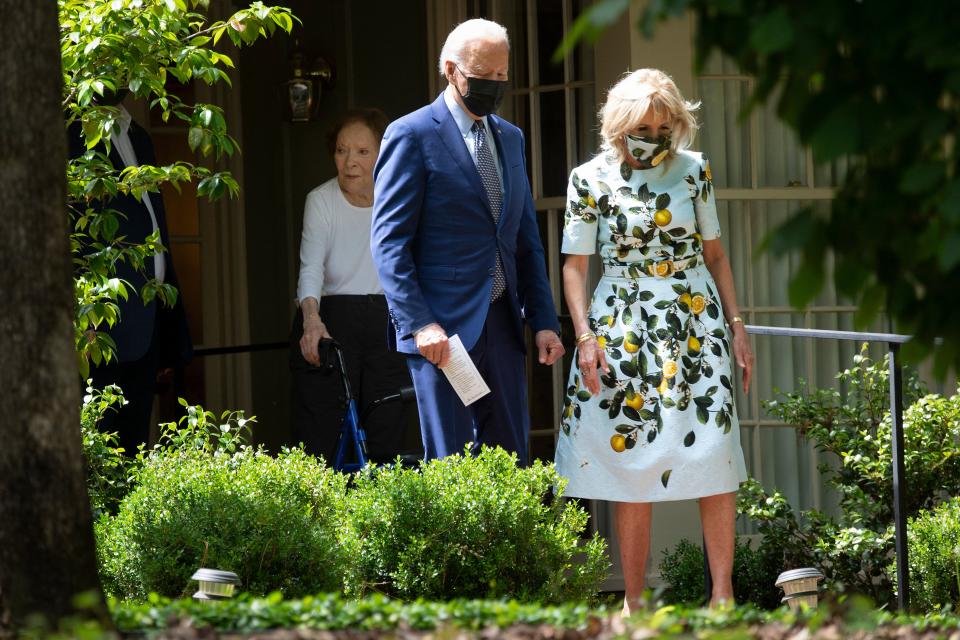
x: 513, y: 15
x: 553, y: 144
x: 724, y: 137
x: 549, y: 35
x: 542, y: 448
x: 586, y: 129
x: 582, y: 54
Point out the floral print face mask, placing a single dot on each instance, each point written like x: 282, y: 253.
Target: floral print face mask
x: 649, y: 151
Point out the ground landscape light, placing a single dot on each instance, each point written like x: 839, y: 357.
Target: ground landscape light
x: 800, y: 587
x: 215, y: 584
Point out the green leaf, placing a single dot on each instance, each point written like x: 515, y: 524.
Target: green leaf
x: 590, y: 24
x: 772, y: 32
x: 702, y: 414
x: 872, y: 299
x: 665, y: 477
x: 950, y: 202
x: 838, y: 133
x: 689, y: 439
x: 922, y: 177
x: 795, y: 233
x: 806, y: 283
x: 950, y: 250
x: 195, y: 138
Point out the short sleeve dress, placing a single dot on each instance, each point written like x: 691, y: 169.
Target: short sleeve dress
x: 664, y: 426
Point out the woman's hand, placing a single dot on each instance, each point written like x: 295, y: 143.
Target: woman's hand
x: 590, y: 357
x: 313, y: 331
x: 743, y: 353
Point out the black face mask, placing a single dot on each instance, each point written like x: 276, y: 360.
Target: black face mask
x: 483, y: 97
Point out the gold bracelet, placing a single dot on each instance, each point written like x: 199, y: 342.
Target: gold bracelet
x: 583, y: 337
x: 734, y: 320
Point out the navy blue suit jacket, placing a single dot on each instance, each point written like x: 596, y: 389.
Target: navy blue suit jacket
x: 134, y: 332
x: 434, y: 240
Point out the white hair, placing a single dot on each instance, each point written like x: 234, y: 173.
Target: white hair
x: 464, y: 33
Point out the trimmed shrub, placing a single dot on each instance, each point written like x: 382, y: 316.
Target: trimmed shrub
x: 203, y: 498
x: 934, y: 558
x: 108, y: 470
x: 472, y: 527
x: 754, y: 573
x: 853, y: 547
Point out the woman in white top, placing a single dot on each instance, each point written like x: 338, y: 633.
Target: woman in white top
x: 341, y: 298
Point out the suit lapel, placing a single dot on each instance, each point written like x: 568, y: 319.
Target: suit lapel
x: 449, y: 133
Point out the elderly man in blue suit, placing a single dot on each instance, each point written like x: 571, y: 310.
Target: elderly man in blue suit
x: 456, y: 244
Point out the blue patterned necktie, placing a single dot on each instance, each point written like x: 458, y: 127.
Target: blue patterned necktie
x: 491, y: 184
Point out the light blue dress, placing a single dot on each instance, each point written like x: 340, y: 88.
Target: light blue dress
x: 664, y: 426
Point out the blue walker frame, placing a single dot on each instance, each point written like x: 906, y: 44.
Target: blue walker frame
x: 352, y: 434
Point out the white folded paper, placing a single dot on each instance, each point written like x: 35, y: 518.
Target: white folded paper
x: 463, y: 374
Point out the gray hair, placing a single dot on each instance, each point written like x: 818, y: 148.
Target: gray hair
x: 463, y: 33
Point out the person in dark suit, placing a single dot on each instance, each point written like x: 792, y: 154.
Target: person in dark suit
x: 150, y: 338
x: 457, y: 248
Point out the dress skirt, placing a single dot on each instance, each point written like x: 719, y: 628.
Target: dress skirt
x: 664, y: 426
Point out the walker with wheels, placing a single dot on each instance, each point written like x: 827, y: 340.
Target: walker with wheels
x: 352, y: 435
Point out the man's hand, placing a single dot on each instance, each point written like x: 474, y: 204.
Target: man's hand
x: 432, y: 344
x: 549, y: 346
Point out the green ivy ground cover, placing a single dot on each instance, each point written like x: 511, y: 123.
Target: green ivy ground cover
x: 376, y: 613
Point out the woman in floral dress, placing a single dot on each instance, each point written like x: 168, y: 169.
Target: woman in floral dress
x: 649, y: 415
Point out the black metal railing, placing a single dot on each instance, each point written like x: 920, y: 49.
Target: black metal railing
x: 893, y: 342
x: 240, y: 348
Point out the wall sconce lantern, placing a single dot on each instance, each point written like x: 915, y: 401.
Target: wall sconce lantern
x: 304, y: 89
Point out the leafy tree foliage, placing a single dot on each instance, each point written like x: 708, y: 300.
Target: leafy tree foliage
x: 878, y: 82
x: 109, y: 47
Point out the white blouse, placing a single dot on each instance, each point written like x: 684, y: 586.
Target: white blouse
x: 335, y: 254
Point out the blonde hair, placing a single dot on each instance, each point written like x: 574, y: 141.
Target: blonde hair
x: 633, y: 97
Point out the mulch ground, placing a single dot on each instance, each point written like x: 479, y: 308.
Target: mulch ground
x: 597, y: 629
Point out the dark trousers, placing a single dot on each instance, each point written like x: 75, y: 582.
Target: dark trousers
x: 500, y: 418
x: 138, y: 380
x: 359, y: 325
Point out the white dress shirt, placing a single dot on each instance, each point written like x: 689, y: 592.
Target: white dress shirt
x: 124, y: 147
x: 465, y: 124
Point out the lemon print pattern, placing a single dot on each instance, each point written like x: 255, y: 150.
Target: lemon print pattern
x: 664, y: 425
